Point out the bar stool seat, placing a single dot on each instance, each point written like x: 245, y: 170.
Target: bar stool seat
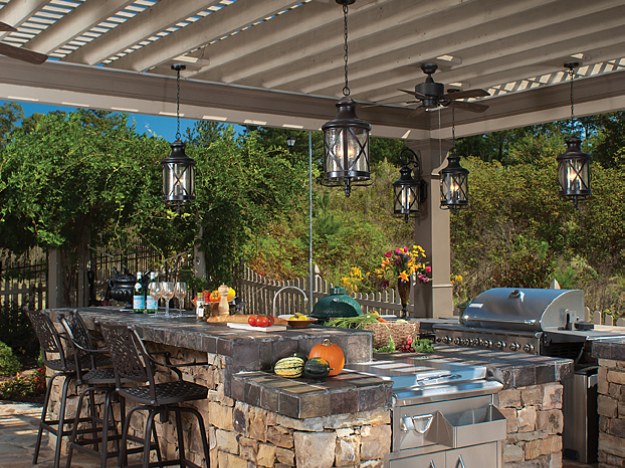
x: 132, y: 361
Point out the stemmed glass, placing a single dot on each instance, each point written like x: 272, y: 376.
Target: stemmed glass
x: 156, y: 293
x: 180, y: 291
x: 167, y: 290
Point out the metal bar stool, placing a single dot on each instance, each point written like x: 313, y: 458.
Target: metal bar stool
x: 133, y: 362
x: 65, y: 367
x: 100, y: 378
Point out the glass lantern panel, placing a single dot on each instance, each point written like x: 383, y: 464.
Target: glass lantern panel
x: 406, y: 199
x: 574, y: 175
x: 454, y: 189
x: 357, y: 149
x: 333, y: 140
x: 178, y: 181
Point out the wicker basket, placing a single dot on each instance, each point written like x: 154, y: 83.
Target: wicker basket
x: 399, y: 332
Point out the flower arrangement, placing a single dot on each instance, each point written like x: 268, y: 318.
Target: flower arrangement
x: 401, y: 263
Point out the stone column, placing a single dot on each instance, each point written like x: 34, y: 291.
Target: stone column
x: 432, y: 232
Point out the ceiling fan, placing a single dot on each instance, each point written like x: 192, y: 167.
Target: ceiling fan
x: 431, y: 95
x: 19, y: 53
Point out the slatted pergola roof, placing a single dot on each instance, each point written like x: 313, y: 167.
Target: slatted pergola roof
x: 280, y: 62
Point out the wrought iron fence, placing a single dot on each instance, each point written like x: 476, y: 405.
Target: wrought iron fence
x: 23, y: 279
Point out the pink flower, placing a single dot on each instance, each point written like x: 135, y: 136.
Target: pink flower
x: 428, y: 269
x: 397, y: 250
x: 405, y: 249
x: 388, y: 254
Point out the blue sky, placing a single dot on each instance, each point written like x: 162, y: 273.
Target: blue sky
x: 162, y: 126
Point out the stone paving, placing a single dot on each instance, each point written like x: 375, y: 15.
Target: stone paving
x: 18, y: 433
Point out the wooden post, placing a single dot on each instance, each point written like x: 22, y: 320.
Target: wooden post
x: 55, y: 280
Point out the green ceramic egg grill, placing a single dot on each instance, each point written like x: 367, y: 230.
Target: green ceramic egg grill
x: 336, y: 304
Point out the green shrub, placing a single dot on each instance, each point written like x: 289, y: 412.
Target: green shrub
x: 17, y: 332
x: 9, y: 364
x: 17, y: 387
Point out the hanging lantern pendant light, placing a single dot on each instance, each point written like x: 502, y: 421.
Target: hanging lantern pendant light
x: 454, y: 179
x: 409, y: 192
x: 574, y: 164
x: 346, y: 138
x: 178, y: 168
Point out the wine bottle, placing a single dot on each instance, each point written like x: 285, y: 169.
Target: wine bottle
x: 138, y: 299
x: 150, y: 302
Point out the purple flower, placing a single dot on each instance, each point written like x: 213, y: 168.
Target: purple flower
x: 388, y: 254
x: 385, y: 284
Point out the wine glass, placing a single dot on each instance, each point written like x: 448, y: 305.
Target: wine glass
x: 167, y: 290
x: 180, y: 291
x: 155, y: 292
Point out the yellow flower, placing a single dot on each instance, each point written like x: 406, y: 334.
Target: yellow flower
x: 403, y: 275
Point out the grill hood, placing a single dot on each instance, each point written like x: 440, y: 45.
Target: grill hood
x: 525, y: 309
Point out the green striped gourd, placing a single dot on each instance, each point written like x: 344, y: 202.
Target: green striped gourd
x: 289, y: 367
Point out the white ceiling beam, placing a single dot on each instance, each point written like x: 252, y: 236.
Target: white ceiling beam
x: 285, y: 55
x: 502, y: 52
x: 18, y: 11
x: 156, y: 18
x: 79, y: 20
x: 214, y: 26
x: 507, y: 21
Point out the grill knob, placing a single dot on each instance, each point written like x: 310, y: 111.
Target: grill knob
x: 500, y: 345
x: 446, y: 339
x: 487, y: 343
x: 514, y: 346
x: 457, y: 341
x: 528, y: 348
x: 466, y: 342
x: 475, y: 342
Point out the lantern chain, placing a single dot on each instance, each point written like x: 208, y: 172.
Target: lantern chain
x: 346, y: 90
x: 178, y: 136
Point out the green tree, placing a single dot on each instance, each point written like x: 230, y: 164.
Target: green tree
x: 10, y: 114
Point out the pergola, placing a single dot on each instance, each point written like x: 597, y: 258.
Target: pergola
x: 279, y: 63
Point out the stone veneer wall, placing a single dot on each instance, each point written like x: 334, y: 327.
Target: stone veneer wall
x: 534, y: 421
x: 241, y: 435
x: 611, y: 409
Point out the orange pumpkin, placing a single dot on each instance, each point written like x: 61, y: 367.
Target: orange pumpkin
x: 331, y: 353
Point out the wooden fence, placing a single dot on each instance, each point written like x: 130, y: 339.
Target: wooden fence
x: 258, y: 293
x: 23, y: 279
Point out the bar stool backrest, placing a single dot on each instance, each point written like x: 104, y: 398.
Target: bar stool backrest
x: 77, y: 328
x: 50, y: 341
x: 130, y: 358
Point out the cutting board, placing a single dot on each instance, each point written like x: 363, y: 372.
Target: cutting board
x: 246, y: 326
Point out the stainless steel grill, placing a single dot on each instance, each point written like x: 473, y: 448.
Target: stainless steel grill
x: 546, y: 322
x: 442, y: 413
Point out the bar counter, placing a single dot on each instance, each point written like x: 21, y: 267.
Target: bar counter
x: 255, y: 418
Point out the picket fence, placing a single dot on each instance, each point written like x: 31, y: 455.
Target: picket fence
x: 23, y: 280
x: 258, y: 293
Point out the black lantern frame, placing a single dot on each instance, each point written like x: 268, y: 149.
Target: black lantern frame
x: 346, y: 139
x: 290, y: 141
x: 409, y: 193
x: 178, y: 168
x: 454, y: 185
x: 574, y: 164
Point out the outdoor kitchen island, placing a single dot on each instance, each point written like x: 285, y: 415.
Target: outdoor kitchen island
x: 256, y: 418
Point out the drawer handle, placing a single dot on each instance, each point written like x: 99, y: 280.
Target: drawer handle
x: 428, y: 417
x: 460, y: 463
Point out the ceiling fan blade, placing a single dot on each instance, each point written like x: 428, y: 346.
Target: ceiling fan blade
x: 6, y: 27
x: 415, y: 94
x: 19, y: 53
x: 470, y: 106
x: 469, y: 93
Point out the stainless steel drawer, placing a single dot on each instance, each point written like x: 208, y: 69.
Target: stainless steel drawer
x: 429, y: 460
x: 477, y: 456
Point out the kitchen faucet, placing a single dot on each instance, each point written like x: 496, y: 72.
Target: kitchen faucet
x: 288, y: 287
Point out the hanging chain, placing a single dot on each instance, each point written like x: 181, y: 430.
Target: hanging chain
x: 178, y: 136
x: 440, y: 148
x: 572, y: 74
x: 453, y: 126
x: 346, y: 90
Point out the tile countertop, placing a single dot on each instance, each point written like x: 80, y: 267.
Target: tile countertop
x: 250, y: 356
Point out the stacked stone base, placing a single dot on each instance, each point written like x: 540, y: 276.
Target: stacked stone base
x: 611, y: 409
x: 534, y: 424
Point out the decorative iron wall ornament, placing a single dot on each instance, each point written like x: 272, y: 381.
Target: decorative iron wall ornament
x: 346, y: 138
x: 178, y: 168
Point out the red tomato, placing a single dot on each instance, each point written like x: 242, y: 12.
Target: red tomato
x: 271, y: 319
x: 262, y: 321
x: 252, y: 320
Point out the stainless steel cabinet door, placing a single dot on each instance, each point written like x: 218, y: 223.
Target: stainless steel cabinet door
x: 428, y: 460
x: 477, y: 456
